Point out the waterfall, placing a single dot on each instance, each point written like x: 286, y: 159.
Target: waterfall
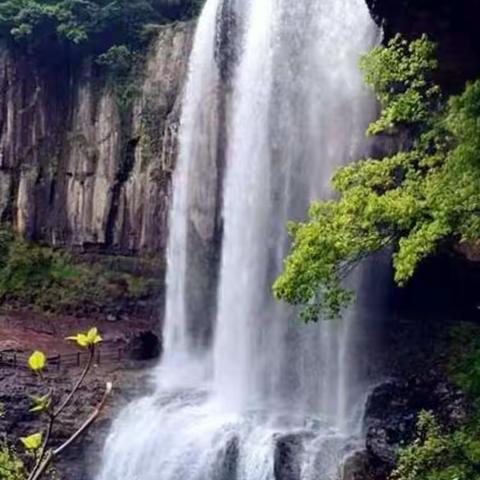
x: 245, y: 391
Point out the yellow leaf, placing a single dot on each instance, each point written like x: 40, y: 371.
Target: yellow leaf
x: 93, y: 336
x: 37, y: 361
x: 87, y: 339
x: 82, y: 340
x: 32, y: 442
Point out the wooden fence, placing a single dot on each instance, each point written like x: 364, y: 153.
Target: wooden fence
x: 20, y: 360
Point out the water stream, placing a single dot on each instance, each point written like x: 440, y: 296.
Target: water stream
x: 245, y: 391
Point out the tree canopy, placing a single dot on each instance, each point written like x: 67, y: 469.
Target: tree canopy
x: 424, y: 196
x: 98, y: 24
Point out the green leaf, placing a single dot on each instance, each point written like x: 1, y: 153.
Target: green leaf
x: 37, y: 361
x: 32, y: 442
x: 40, y: 404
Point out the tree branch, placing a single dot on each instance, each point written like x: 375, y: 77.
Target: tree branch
x: 77, y: 385
x: 84, y: 427
x: 44, y: 447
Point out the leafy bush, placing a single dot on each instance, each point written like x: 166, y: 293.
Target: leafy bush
x: 51, y: 280
x: 118, y: 56
x: 30, y: 270
x: 416, y: 200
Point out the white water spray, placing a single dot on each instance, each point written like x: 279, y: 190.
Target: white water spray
x: 269, y: 398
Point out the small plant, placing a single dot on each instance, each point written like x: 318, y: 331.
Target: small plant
x: 40, y: 451
x: 118, y: 57
x: 11, y: 465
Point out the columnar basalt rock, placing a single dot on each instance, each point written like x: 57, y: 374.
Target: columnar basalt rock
x: 77, y: 171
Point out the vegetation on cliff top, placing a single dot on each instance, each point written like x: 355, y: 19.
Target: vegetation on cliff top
x: 99, y: 27
x: 417, y: 200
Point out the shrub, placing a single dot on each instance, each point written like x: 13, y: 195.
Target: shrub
x: 54, y: 281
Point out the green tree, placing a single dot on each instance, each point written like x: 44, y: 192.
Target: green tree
x: 417, y: 200
x: 95, y: 25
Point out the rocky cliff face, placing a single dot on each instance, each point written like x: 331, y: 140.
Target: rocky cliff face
x: 76, y: 168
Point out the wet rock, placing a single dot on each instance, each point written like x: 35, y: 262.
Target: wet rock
x: 227, y: 461
x: 356, y: 467
x: 390, y: 420
x: 392, y: 411
x: 287, y: 459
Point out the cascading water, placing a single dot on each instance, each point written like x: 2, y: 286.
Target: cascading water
x: 267, y: 397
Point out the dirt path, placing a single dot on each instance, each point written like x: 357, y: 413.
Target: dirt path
x: 26, y: 331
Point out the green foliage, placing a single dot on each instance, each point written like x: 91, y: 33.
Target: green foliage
x: 11, y: 466
x: 454, y: 455
x: 117, y: 56
x: 415, y: 200
x: 41, y: 403
x: 401, y: 78
x: 97, y: 24
x: 53, y: 281
x: 440, y: 456
x: 31, y: 270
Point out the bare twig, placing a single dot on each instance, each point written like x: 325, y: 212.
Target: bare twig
x: 88, y: 422
x: 80, y: 380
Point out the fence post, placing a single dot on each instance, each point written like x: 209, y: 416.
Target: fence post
x: 78, y: 359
